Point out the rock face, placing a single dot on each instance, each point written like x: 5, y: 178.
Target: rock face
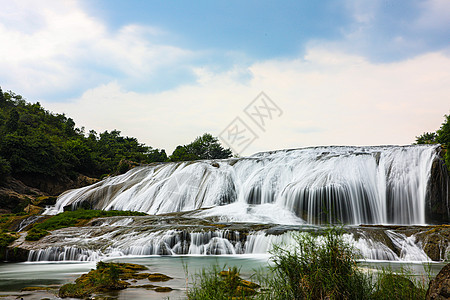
x: 439, y: 288
x: 437, y: 210
x: 55, y: 186
x: 15, y: 196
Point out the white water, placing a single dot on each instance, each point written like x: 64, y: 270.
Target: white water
x: 220, y: 242
x: 353, y: 185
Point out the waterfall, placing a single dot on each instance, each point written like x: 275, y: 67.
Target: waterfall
x: 220, y: 242
x: 350, y: 185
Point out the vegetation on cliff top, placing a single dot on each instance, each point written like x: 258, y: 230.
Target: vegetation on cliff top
x: 38, y: 143
x: 441, y: 136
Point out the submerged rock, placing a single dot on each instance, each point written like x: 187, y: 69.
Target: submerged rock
x: 158, y: 277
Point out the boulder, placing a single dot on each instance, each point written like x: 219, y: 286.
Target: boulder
x: 437, y: 210
x: 439, y: 287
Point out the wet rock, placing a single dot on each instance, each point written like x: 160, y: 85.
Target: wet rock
x: 14, y: 254
x: 163, y: 289
x: 437, y: 210
x: 435, y: 241
x: 158, y: 277
x: 439, y: 288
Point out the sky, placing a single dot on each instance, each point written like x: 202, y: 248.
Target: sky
x: 260, y: 75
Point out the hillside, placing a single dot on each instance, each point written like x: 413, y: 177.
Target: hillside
x: 43, y: 153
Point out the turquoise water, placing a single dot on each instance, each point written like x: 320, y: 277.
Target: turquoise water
x: 15, y: 276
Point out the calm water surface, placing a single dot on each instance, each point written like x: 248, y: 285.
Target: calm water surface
x: 15, y: 276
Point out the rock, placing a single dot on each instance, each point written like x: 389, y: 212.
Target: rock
x: 435, y: 241
x: 437, y: 198
x: 158, y: 277
x: 163, y: 289
x: 57, y: 185
x: 244, y: 291
x: 439, y: 287
x: 249, y: 284
x: 33, y: 209
x: 13, y: 202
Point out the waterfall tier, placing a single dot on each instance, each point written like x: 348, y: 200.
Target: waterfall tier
x: 350, y: 185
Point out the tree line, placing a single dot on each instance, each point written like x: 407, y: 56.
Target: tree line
x: 37, y: 142
x: 440, y: 136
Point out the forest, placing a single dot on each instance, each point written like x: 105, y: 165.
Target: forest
x: 39, y: 143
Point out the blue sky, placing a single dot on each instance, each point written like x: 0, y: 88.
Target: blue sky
x: 343, y: 72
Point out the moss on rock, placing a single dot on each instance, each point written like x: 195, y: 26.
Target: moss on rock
x: 155, y: 277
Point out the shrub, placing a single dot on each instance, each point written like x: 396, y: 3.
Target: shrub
x: 317, y: 268
x: 215, y: 284
x: 6, y: 239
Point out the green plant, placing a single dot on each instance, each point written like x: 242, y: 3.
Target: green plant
x: 215, y: 283
x: 317, y: 267
x: 72, y: 218
x: 6, y: 239
x: 390, y: 285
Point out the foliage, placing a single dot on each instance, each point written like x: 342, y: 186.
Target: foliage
x: 6, y: 239
x: 106, y: 277
x: 72, y: 218
x: 203, y: 147
x: 35, y: 142
x: 441, y: 136
x: 5, y: 169
x: 427, y: 138
x: 214, y: 284
x: 393, y: 286
x: 316, y: 267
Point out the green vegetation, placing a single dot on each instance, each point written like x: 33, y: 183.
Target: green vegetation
x: 203, y: 147
x: 318, y: 267
x: 6, y: 239
x: 108, y: 277
x: 215, y: 284
x: 36, y: 142
x: 393, y: 286
x: 72, y: 218
x: 441, y: 136
x: 105, y: 278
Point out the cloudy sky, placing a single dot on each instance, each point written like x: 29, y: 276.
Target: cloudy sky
x: 333, y: 72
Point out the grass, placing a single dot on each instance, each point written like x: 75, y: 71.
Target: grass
x: 72, y: 218
x: 317, y: 267
x: 105, y: 278
x: 220, y: 285
x: 6, y: 239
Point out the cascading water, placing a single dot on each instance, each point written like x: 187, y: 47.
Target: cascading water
x: 246, y: 205
x: 350, y: 185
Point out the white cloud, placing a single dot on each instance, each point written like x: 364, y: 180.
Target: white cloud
x: 56, y: 46
x: 327, y: 98
x: 328, y: 95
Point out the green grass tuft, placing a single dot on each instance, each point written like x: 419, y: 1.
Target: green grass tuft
x: 72, y: 218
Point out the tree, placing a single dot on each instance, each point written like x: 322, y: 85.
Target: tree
x: 441, y: 136
x: 2, y: 98
x: 443, y: 133
x: 427, y: 138
x: 203, y: 147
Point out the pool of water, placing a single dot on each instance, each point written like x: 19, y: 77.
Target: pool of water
x: 15, y: 276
